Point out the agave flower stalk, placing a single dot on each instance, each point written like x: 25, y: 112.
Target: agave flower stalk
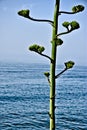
x: 55, y: 42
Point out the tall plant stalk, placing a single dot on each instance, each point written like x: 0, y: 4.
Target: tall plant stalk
x: 53, y: 66
x: 56, y: 41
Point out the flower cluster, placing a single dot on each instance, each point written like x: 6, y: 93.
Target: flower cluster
x: 69, y: 64
x: 71, y: 25
x: 36, y: 48
x: 58, y: 41
x: 24, y: 13
x: 78, y: 8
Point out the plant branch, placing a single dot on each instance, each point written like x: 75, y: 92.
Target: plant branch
x: 45, y: 56
x: 57, y: 76
x: 26, y: 14
x: 68, y: 31
x: 48, y: 81
x: 65, y: 12
x: 68, y: 65
x: 70, y: 26
x: 75, y: 9
x: 40, y: 20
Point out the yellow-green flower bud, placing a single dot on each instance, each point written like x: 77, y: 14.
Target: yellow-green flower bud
x: 36, y: 48
x: 65, y: 24
x: 69, y: 64
x: 78, y: 8
x: 74, y: 25
x: 47, y: 74
x: 24, y: 13
x: 59, y: 42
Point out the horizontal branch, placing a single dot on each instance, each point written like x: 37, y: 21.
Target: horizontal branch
x: 26, y: 14
x: 40, y: 20
x: 75, y: 9
x: 64, y: 12
x: 57, y: 76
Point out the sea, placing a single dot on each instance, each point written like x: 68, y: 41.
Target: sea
x: 24, y: 97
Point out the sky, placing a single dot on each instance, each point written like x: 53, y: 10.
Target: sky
x: 18, y: 33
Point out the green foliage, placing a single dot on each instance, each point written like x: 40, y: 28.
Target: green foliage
x: 58, y: 41
x: 66, y: 24
x: 69, y: 64
x: 74, y: 25
x: 78, y: 8
x: 47, y: 74
x: 36, y: 48
x: 24, y: 13
x: 71, y: 25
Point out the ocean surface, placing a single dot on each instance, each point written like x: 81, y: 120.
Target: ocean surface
x: 24, y: 98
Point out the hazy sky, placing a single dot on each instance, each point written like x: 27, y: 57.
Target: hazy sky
x: 17, y: 33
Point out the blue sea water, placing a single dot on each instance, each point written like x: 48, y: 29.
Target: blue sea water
x: 24, y: 98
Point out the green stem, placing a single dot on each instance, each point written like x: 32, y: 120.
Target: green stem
x: 40, y: 20
x: 68, y: 31
x: 57, y: 76
x: 64, y: 12
x: 53, y: 67
x: 45, y: 56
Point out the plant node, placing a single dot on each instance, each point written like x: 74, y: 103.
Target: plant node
x: 58, y: 41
